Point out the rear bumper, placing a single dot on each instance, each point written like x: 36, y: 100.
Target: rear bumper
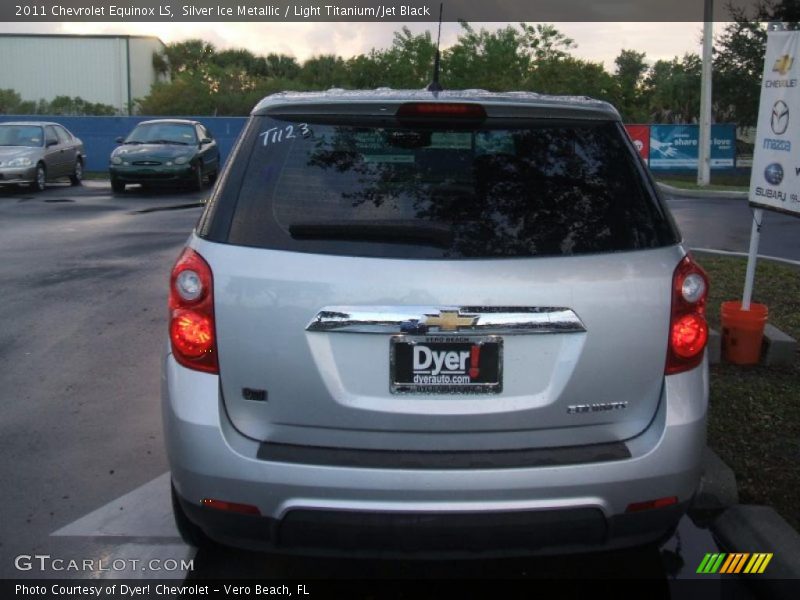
x: 426, y: 534
x: 319, y: 508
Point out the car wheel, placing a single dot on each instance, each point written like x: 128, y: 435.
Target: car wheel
x: 77, y: 173
x: 190, y: 533
x: 117, y: 186
x: 197, y: 183
x: 40, y: 180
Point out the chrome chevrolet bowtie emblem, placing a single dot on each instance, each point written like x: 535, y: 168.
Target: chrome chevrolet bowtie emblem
x: 450, y: 320
x: 779, y: 120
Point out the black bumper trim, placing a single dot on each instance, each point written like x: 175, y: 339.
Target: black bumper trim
x: 411, y: 459
x: 347, y: 533
x: 358, y: 532
x: 441, y: 532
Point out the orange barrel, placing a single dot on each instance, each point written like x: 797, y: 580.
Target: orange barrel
x: 742, y: 332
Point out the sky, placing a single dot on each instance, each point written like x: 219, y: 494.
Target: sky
x: 597, y: 41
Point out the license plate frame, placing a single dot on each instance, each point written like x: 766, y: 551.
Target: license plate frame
x: 402, y: 375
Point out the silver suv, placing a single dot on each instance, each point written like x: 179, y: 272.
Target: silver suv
x: 447, y: 322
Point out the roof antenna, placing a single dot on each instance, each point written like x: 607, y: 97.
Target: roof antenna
x: 434, y: 85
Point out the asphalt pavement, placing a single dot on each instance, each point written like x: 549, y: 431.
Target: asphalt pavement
x: 83, y: 320
x: 724, y: 223
x: 83, y: 313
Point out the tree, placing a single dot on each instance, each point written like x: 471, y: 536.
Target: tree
x: 204, y: 80
x: 674, y: 90
x: 493, y: 60
x: 179, y: 57
x: 185, y: 95
x: 366, y: 71
x: 572, y: 76
x: 739, y: 59
x: 64, y: 105
x: 630, y: 72
x: 545, y: 43
x: 239, y: 59
x: 529, y: 57
x: 323, y: 72
x: 535, y: 57
x: 281, y: 66
x: 9, y: 102
x: 408, y: 63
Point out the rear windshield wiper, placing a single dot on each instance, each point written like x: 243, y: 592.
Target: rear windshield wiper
x: 397, y: 232
x: 132, y: 142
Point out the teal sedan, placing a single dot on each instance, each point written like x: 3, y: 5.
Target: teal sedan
x: 165, y: 152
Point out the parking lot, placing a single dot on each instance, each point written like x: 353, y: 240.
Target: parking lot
x: 85, y: 475
x: 83, y: 317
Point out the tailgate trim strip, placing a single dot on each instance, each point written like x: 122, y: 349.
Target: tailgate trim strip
x: 452, y: 320
x: 419, y: 459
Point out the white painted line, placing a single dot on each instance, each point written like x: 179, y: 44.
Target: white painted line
x: 144, y: 512
x: 787, y: 261
x: 147, y: 561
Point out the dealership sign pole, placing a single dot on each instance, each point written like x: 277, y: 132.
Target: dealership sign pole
x: 775, y: 179
x: 704, y: 154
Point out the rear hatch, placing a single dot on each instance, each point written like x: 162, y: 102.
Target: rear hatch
x: 451, y: 282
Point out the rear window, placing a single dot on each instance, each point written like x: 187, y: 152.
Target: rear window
x: 541, y: 188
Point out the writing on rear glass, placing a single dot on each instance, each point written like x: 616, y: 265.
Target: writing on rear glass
x: 276, y: 135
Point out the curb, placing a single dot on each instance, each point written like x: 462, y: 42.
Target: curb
x: 682, y: 193
x: 749, y: 528
x: 777, y: 348
x: 718, y: 490
x: 786, y: 261
x: 96, y: 183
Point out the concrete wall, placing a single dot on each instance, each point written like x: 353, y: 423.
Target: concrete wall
x: 98, y: 133
x: 92, y: 67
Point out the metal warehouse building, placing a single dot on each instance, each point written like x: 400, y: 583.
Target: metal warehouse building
x: 111, y: 69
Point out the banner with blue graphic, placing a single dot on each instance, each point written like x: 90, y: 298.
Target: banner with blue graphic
x: 775, y: 179
x: 676, y: 147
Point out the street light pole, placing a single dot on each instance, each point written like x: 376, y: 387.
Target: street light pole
x: 704, y: 151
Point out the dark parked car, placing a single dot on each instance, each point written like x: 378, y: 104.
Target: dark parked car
x: 165, y: 152
x: 35, y: 152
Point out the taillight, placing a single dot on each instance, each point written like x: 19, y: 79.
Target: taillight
x: 688, y: 329
x: 441, y: 109
x: 191, y: 313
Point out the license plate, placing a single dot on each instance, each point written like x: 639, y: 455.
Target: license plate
x: 446, y: 365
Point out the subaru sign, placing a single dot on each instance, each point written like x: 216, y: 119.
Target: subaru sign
x: 775, y: 180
